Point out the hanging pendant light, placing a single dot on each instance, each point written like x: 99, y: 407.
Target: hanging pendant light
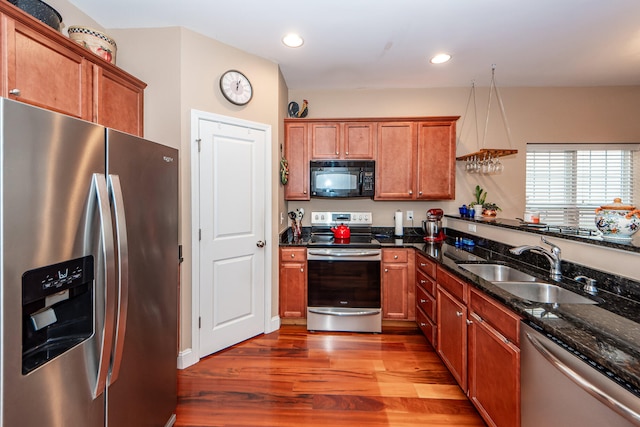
x: 487, y: 160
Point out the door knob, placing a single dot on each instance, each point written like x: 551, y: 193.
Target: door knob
x: 260, y: 243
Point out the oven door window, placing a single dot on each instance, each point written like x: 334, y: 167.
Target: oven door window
x: 343, y: 284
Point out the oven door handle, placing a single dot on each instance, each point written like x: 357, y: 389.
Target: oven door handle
x: 336, y: 253
x: 352, y: 312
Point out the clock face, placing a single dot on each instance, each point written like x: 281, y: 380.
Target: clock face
x: 236, y: 87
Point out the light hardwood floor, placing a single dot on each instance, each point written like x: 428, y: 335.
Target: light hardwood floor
x: 294, y: 378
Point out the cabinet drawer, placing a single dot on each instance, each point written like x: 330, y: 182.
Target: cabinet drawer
x: 395, y: 255
x: 293, y: 254
x: 428, y: 328
x: 427, y: 283
x: 426, y: 303
x: 495, y: 314
x: 427, y: 266
x: 452, y: 284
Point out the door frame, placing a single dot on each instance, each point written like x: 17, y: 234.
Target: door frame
x: 269, y: 324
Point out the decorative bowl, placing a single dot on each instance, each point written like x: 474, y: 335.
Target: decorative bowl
x: 94, y: 40
x: 41, y: 11
x: 617, y: 221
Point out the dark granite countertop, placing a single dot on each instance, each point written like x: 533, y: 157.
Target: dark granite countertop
x: 593, y: 238
x: 608, y: 333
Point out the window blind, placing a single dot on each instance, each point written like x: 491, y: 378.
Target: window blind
x: 567, y: 182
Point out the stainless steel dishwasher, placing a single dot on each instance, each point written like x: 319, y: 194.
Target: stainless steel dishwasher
x: 560, y: 388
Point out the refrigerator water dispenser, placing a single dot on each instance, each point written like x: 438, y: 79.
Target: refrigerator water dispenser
x: 57, y: 310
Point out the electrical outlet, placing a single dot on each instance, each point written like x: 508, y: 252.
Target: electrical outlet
x: 409, y: 215
x: 472, y: 228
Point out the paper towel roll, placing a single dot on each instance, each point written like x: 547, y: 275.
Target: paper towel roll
x: 398, y: 216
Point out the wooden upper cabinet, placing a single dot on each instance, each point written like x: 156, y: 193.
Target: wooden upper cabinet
x: 325, y: 140
x: 436, y: 160
x: 337, y: 140
x: 296, y: 151
x: 42, y: 67
x: 40, y: 72
x: 395, y: 170
x: 118, y: 103
x: 359, y: 140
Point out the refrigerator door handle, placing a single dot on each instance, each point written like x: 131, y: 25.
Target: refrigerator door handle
x: 99, y: 187
x: 115, y: 194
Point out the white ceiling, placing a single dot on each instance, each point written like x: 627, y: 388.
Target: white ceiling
x: 352, y: 44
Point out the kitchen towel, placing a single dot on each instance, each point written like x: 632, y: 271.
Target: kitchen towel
x: 398, y: 216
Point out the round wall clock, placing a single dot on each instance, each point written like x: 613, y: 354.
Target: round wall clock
x: 236, y: 87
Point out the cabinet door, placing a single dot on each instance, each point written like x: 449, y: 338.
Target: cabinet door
x: 494, y: 375
x: 118, y: 103
x: 325, y: 141
x: 395, y: 165
x: 297, y: 154
x: 398, y: 284
x: 293, y: 283
x: 395, y: 291
x: 45, y: 74
x: 436, y: 160
x: 359, y: 140
x: 452, y: 335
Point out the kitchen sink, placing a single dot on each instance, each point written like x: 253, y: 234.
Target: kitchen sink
x: 498, y: 273
x: 543, y: 292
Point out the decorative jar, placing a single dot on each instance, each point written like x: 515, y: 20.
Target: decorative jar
x: 617, y: 221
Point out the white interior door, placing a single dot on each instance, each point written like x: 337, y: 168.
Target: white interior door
x: 232, y: 228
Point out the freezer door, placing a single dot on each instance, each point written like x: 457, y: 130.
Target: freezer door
x: 49, y: 216
x: 144, y: 176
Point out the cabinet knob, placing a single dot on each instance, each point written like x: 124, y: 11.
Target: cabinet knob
x: 459, y: 313
x: 302, y: 270
x: 422, y: 301
x: 420, y: 193
x: 395, y: 257
x: 304, y: 192
x: 346, y: 152
x: 423, y: 324
x: 15, y: 92
x: 469, y: 322
x: 386, y: 270
x: 422, y: 281
x: 422, y: 264
x: 293, y: 255
x: 410, y: 192
x: 337, y: 153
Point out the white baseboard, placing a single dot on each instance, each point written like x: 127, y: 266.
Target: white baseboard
x: 274, y: 325
x: 187, y: 358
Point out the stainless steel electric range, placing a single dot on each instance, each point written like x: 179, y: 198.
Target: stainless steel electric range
x: 343, y: 282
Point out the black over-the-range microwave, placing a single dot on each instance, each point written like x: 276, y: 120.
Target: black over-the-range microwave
x: 342, y: 178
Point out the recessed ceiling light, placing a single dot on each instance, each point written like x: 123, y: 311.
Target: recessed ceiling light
x: 292, y: 40
x: 440, y: 58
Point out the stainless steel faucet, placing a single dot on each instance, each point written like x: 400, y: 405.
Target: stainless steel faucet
x: 552, y: 255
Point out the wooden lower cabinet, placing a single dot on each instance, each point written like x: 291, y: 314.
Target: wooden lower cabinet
x: 494, y: 362
x: 426, y: 307
x: 478, y: 341
x: 398, y: 285
x: 452, y: 335
x: 293, y: 283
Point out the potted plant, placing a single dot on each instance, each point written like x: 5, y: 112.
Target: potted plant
x: 477, y: 203
x: 490, y: 209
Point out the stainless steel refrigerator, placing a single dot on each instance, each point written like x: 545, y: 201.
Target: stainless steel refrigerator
x: 89, y: 274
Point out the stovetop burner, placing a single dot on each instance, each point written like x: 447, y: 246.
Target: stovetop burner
x: 323, y: 240
x: 359, y: 224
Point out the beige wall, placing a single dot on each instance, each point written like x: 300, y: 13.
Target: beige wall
x: 183, y: 77
x: 607, y: 114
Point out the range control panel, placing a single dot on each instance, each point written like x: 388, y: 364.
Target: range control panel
x: 349, y: 218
